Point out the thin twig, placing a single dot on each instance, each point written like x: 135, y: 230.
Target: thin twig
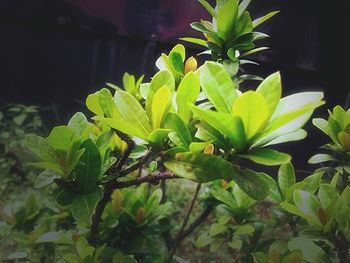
x: 196, y: 223
x: 108, y: 190
x: 135, y: 166
x: 184, y: 223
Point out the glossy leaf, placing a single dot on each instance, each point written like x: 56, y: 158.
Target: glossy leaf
x: 41, y: 148
x: 79, y: 123
x: 267, y: 157
x: 271, y: 89
x: 251, y: 182
x: 218, y: 86
x: 83, y: 206
x: 208, y: 7
x: 175, y: 123
x: 266, y: 17
x: 230, y: 126
x: 244, y: 25
x: 60, y: 138
x: 227, y: 11
x: 253, y: 109
x: 193, y: 40
x: 186, y: 95
x: 107, y: 103
x: 88, y: 168
x: 160, y: 106
x: 93, y: 104
x: 132, y: 112
x: 200, y: 167
x: 286, y: 177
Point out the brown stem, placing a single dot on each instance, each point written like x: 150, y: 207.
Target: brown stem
x: 196, y: 223
x: 342, y: 247
x: 184, y: 223
x: 135, y: 166
x: 108, y: 189
x: 64, y: 184
x: 131, y: 145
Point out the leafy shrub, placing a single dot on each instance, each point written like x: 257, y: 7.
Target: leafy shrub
x: 107, y: 176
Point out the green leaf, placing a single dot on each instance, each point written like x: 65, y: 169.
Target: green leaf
x: 193, y: 40
x: 180, y: 49
x: 271, y: 90
x: 289, y: 137
x: 123, y: 126
x: 158, y: 136
x: 83, y: 206
x: 162, y: 78
x: 267, y: 157
x: 266, y: 17
x: 132, y: 112
x: 71, y: 258
x: 61, y: 138
x: 41, y: 148
x: 218, y: 86
x: 230, y: 126
x: 253, y: 109
x: 186, y: 95
x: 208, y: 7
x: 312, y: 219
x: 83, y: 248
x: 243, y: 7
x: 328, y: 196
x: 308, y: 205
x: 107, y: 103
x: 310, y: 251
x: 89, y: 167
x: 235, y: 244
x: 216, y: 229
x: 291, y: 189
x: 253, y: 51
x: 31, y: 206
x: 244, y: 25
x: 160, y: 106
x: 260, y: 257
x: 244, y: 230
x: 275, y: 193
x: 200, y: 167
x: 45, y: 178
x: 198, y: 146
x: 53, y: 237
x: 203, y: 240
x: 93, y: 104
x: 223, y: 196
x: 207, y: 133
x: 176, y: 63
x: 312, y: 182
x: 49, y: 166
x: 252, y: 183
x: 291, y: 114
x: 342, y: 213
x: 227, y: 11
x: 320, y: 158
x: 79, y: 123
x: 174, y: 122
x: 295, y: 256
x: 286, y: 178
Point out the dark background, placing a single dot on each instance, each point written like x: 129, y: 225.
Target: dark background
x: 53, y: 53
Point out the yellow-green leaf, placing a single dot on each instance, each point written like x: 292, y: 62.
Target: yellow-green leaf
x: 252, y: 108
x: 271, y: 90
x: 160, y: 106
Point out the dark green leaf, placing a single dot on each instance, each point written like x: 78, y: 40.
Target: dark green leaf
x: 89, y: 167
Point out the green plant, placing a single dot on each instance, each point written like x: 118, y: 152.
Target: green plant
x: 108, y: 176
